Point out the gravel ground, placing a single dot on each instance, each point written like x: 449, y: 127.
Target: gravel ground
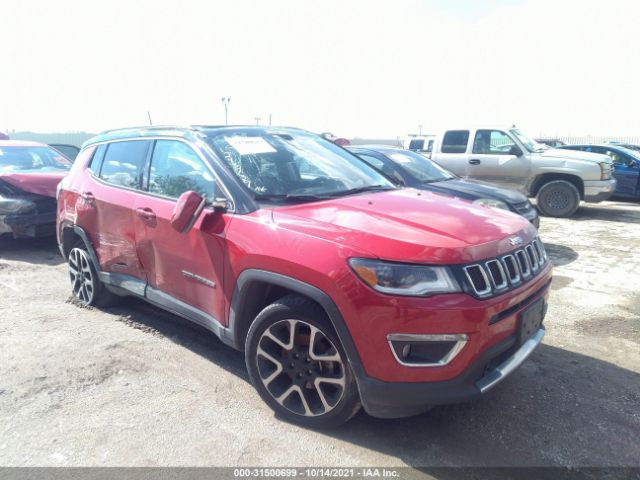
x: 134, y: 386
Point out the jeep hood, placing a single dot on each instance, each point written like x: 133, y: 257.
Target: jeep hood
x: 40, y: 183
x: 574, y: 155
x: 408, y: 225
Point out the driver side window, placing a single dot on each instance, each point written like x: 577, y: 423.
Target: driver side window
x: 492, y: 142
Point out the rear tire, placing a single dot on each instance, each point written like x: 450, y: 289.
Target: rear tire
x: 85, y: 282
x: 558, y: 198
x: 297, y: 365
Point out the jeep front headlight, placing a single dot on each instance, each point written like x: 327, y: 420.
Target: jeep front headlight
x: 404, y: 279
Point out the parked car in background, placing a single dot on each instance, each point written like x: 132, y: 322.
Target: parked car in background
x: 29, y: 175
x: 550, y: 142
x: 626, y: 166
x: 340, y: 287
x: 417, y: 171
x: 69, y: 151
x: 559, y: 179
x: 337, y: 140
x: 419, y: 143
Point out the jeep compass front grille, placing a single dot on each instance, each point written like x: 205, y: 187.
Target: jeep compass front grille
x: 497, y: 275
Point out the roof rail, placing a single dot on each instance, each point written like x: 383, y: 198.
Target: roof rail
x: 143, y: 127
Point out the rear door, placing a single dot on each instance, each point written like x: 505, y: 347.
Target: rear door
x: 110, y: 193
x: 491, y: 159
x: 181, y: 268
x: 452, y: 152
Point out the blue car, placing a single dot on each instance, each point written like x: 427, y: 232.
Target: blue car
x: 626, y: 166
x: 417, y: 171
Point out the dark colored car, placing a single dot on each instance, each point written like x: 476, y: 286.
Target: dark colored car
x: 626, y: 166
x: 416, y: 171
x: 341, y: 288
x: 550, y: 142
x: 29, y: 175
x: 69, y: 151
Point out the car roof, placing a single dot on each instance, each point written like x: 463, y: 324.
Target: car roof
x: 21, y: 143
x: 189, y: 132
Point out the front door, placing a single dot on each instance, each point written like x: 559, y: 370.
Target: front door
x: 626, y: 171
x: 492, y: 160
x: 184, y: 270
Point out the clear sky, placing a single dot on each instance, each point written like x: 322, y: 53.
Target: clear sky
x: 356, y: 68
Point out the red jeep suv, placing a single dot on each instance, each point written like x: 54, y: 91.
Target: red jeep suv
x: 342, y: 289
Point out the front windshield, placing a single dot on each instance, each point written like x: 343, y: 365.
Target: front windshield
x: 420, y: 167
x: 528, y: 142
x: 292, y: 163
x: 632, y: 153
x: 32, y: 160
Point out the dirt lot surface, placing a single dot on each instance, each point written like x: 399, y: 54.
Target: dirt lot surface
x: 134, y: 386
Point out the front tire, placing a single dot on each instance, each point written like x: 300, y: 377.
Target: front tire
x: 558, y: 198
x: 85, y: 283
x: 298, y: 366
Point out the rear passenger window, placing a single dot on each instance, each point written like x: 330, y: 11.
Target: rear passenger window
x: 176, y: 168
x: 124, y: 163
x: 455, y: 141
x: 96, y: 160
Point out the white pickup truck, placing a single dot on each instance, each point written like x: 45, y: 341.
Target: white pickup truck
x: 559, y: 179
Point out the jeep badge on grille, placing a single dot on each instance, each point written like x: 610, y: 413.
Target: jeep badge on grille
x: 515, y: 241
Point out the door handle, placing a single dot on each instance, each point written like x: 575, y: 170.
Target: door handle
x: 474, y: 161
x: 146, y: 213
x: 88, y: 197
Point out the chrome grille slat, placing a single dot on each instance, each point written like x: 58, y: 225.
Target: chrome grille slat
x: 497, y: 275
x: 523, y: 264
x: 510, y: 261
x: 532, y: 255
x: 479, y: 288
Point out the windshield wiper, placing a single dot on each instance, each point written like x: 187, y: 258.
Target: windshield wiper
x: 353, y: 191
x: 289, y: 197
x: 307, y: 197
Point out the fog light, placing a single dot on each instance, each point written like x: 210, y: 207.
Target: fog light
x: 424, y: 350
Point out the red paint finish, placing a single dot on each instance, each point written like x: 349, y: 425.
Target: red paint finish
x: 168, y: 257
x: 312, y: 242
x: 316, y: 251
x: 39, y: 183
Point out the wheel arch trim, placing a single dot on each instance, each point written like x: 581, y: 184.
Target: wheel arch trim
x: 238, y: 299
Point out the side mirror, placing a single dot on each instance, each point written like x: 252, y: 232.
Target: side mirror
x: 515, y: 150
x: 220, y: 204
x: 187, y: 211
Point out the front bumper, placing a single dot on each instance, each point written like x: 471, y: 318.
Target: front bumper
x: 599, y: 190
x: 392, y: 400
x: 29, y: 225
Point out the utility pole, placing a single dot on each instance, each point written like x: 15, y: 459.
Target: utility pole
x: 269, y: 119
x: 257, y: 120
x: 149, y: 116
x: 420, y: 130
x: 225, y: 101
